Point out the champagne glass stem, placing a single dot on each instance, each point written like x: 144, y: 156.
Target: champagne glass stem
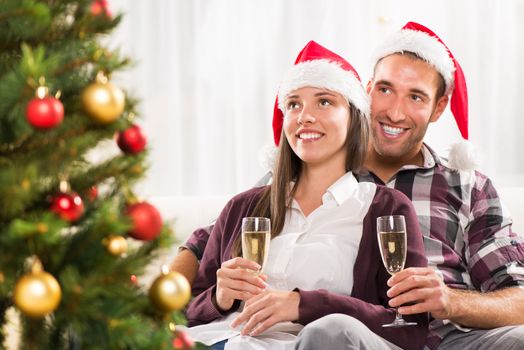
x: 398, y: 317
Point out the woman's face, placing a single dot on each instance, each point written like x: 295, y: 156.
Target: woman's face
x: 316, y: 124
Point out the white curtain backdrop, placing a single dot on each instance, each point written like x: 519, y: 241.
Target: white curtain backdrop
x: 207, y: 73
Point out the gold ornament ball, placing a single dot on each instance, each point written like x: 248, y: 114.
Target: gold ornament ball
x: 37, y: 294
x: 103, y: 102
x: 116, y: 245
x: 170, y: 291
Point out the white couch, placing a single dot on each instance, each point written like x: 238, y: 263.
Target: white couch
x: 190, y: 212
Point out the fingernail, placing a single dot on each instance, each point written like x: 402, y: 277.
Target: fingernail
x: 233, y: 324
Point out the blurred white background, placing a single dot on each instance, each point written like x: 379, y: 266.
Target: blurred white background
x: 207, y: 73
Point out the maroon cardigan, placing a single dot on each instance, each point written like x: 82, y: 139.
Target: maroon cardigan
x: 368, y: 300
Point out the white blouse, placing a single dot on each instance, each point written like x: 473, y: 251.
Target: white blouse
x: 319, y: 251
x: 313, y: 252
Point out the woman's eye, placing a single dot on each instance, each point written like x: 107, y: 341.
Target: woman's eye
x: 324, y: 102
x: 292, y: 105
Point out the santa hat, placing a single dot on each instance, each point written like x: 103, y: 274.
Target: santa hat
x: 416, y: 38
x: 319, y: 67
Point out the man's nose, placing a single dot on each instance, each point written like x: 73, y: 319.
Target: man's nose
x: 396, y: 111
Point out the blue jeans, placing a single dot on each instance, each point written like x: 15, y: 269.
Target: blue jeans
x: 219, y: 346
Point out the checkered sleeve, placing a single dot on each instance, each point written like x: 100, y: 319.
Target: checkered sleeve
x: 196, y: 243
x: 495, y: 253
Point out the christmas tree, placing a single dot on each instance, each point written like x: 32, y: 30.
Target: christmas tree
x: 70, y: 154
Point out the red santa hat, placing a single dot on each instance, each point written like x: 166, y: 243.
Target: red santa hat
x: 319, y: 67
x: 423, y: 42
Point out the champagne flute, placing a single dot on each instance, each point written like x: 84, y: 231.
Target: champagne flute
x: 256, y: 235
x: 392, y: 240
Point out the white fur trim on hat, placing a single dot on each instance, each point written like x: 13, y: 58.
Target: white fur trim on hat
x: 462, y: 156
x: 328, y: 75
x: 427, y: 47
x: 267, y: 156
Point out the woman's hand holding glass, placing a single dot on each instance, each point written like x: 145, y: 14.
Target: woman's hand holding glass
x: 240, y: 278
x: 235, y: 281
x: 265, y: 309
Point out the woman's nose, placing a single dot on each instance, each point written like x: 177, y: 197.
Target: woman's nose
x: 306, y: 116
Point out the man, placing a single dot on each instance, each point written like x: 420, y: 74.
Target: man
x: 476, y: 274
x: 477, y: 269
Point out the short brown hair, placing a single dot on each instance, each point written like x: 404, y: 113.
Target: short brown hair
x: 441, y: 88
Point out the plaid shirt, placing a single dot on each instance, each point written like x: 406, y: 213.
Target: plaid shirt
x: 466, y: 228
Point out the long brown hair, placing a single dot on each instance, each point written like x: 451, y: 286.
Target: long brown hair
x: 277, y: 197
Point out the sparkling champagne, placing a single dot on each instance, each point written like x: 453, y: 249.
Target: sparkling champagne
x: 255, y: 246
x: 393, y: 250
x: 392, y: 242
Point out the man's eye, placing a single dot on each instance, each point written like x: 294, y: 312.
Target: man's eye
x: 416, y: 98
x: 384, y: 90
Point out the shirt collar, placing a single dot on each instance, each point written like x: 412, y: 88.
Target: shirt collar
x: 429, y: 157
x: 345, y: 187
x: 430, y: 160
x: 342, y: 189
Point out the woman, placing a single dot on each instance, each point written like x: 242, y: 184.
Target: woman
x: 324, y: 256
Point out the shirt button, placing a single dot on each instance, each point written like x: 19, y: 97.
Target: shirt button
x: 513, y: 242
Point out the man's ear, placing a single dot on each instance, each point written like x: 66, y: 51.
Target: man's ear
x: 369, y: 86
x: 439, y: 108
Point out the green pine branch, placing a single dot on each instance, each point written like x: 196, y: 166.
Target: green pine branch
x: 100, y: 307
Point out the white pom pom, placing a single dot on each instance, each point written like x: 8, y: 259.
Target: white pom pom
x: 267, y: 157
x: 462, y: 156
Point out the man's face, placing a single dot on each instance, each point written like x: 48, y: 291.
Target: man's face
x: 403, y: 104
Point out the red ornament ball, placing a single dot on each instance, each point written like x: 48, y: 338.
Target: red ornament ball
x: 131, y: 140
x: 182, y: 341
x: 99, y: 7
x: 69, y: 206
x: 44, y: 113
x: 147, y: 222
